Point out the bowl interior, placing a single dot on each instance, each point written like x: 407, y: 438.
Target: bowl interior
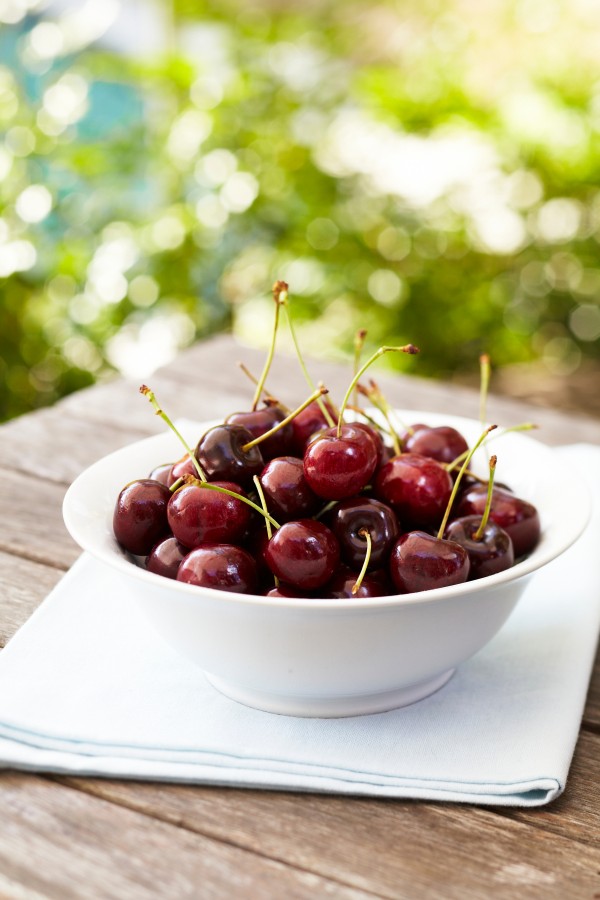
x: 534, y: 471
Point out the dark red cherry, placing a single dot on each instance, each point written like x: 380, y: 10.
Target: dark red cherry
x: 140, y: 516
x: 376, y: 437
x: 286, y: 490
x: 304, y: 554
x: 416, y: 487
x: 198, y: 515
x: 336, y: 468
x: 340, y: 587
x: 259, y: 421
x: 219, y: 566
x: 220, y: 453
x: 307, y: 423
x: 349, y: 517
x: 166, y: 556
x: 422, y: 562
x: 183, y: 466
x: 442, y: 443
x: 492, y: 553
x: 517, y: 517
x: 162, y: 474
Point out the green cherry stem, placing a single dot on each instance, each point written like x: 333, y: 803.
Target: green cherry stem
x: 145, y: 390
x: 262, y: 437
x: 278, y: 291
x: 363, y: 533
x: 359, y: 342
x: 263, y: 503
x: 524, y: 426
x: 407, y: 348
x: 463, y: 468
x: 361, y: 412
x: 305, y: 372
x: 375, y: 395
x: 488, y: 503
x: 268, y: 398
x: 189, y: 479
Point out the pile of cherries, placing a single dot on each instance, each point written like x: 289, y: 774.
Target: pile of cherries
x: 307, y: 504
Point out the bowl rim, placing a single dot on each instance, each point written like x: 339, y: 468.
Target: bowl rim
x: 539, y: 557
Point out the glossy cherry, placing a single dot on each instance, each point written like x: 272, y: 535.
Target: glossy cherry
x: 140, y: 515
x: 339, y: 467
x: 183, y: 466
x: 221, y: 454
x: 198, y: 514
x: 166, y: 556
x: 416, y: 487
x: 491, y: 553
x: 163, y: 474
x: 340, y: 587
x: 259, y: 421
x: 307, y: 423
x: 349, y: 517
x: 517, y: 517
x: 304, y: 554
x: 223, y: 567
x: 422, y: 562
x: 286, y: 489
x: 442, y: 443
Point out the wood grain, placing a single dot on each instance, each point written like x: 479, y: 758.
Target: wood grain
x: 66, y: 844
x: 31, y: 523
x: 395, y: 848
x: 24, y: 586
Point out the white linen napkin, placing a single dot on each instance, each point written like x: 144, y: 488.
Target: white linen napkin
x: 87, y: 687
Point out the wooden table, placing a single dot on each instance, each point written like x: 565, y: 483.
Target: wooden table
x: 81, y: 837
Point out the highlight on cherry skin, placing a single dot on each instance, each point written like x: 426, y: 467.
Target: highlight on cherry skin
x: 323, y: 499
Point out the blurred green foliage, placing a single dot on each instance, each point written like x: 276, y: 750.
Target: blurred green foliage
x: 425, y: 171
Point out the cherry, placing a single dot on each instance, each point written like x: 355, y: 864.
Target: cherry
x: 420, y: 562
x: 517, y: 517
x: 183, y: 466
x: 343, y: 586
x: 287, y: 491
x: 492, y: 552
x: 198, y: 514
x: 307, y: 423
x: 442, y: 443
x: 221, y: 454
x: 340, y: 463
x: 165, y: 557
x: 351, y: 517
x: 304, y: 554
x: 377, y: 438
x: 223, y: 567
x: 140, y: 516
x: 163, y: 474
x: 283, y: 590
x: 416, y: 487
x: 260, y: 421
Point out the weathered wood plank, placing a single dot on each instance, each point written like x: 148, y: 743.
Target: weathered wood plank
x: 394, y: 848
x: 24, y: 586
x: 66, y: 844
x: 31, y: 523
x: 576, y: 813
x: 53, y: 447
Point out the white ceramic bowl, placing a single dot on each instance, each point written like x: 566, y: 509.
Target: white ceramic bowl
x: 330, y: 657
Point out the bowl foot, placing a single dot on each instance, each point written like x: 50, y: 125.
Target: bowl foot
x: 331, y: 707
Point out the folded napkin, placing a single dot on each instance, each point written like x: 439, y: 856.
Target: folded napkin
x: 87, y: 687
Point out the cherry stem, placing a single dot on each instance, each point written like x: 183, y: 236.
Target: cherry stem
x: 269, y: 398
x: 145, y: 390
x: 359, y: 341
x: 524, y: 426
x: 263, y: 502
x: 363, y: 533
x: 407, y: 348
x: 262, y: 437
x: 279, y: 288
x: 322, y: 406
x: 375, y: 395
x: 326, y: 509
x: 189, y: 479
x: 176, y: 485
x: 463, y: 468
x: 361, y: 412
x: 488, y: 503
x: 484, y: 369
